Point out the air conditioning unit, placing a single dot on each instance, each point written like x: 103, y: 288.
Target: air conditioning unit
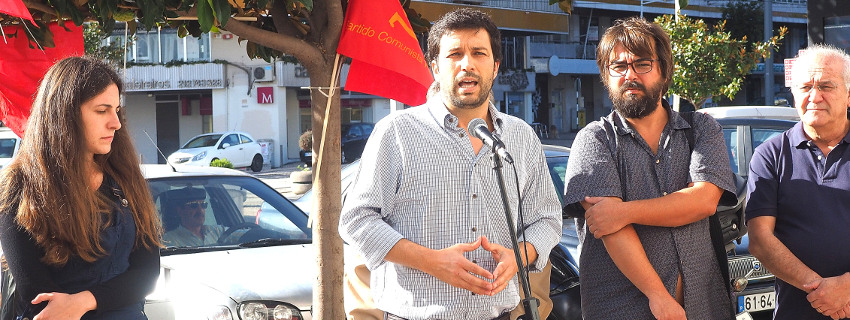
x: 264, y: 73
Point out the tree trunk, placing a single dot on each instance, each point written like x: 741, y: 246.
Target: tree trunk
x: 327, y: 292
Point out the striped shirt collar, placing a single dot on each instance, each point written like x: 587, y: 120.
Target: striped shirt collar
x: 440, y: 111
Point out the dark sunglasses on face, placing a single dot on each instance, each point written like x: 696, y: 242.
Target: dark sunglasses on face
x: 196, y: 205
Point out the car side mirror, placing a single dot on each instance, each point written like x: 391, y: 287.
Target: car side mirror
x: 225, y: 145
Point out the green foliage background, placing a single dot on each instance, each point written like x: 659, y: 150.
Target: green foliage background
x: 709, y: 60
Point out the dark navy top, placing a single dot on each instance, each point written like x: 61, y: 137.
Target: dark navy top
x: 809, y: 195
x: 119, y: 281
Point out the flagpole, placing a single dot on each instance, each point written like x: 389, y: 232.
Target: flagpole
x: 331, y: 92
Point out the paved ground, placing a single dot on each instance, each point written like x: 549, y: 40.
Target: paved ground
x: 278, y: 178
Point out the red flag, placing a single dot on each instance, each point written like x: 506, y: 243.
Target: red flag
x: 22, y: 68
x: 386, y: 59
x: 16, y: 8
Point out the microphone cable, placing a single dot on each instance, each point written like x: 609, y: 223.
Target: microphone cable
x: 521, y: 223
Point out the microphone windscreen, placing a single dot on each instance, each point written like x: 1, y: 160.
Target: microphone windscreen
x: 477, y: 122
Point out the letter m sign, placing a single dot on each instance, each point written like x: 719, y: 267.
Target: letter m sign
x: 265, y: 95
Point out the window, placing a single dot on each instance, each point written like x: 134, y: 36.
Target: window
x: 836, y: 31
x: 245, y: 139
x: 230, y: 139
x: 163, y: 45
x: 760, y: 135
x: 367, y: 128
x: 354, y: 131
x: 730, y: 136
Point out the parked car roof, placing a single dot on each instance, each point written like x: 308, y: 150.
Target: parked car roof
x: 753, y: 112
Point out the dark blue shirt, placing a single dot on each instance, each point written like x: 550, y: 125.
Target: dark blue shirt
x: 809, y: 194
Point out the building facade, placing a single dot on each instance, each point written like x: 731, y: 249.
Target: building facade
x: 548, y: 77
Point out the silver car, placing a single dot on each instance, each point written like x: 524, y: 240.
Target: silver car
x: 249, y: 272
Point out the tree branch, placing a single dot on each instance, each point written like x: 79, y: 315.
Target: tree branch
x: 282, y: 42
x: 39, y: 6
x: 281, y: 20
x: 335, y: 21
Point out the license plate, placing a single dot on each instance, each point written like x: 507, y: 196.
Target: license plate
x: 757, y: 302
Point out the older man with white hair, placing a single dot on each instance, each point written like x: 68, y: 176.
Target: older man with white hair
x: 799, y: 193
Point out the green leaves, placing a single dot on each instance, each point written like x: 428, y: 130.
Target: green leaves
x: 220, y: 9
x: 205, y: 15
x: 152, y: 11
x: 708, y: 60
x: 68, y: 9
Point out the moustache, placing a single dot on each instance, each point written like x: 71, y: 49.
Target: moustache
x: 460, y: 77
x: 628, y: 84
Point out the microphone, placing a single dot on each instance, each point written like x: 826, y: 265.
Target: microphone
x: 478, y: 128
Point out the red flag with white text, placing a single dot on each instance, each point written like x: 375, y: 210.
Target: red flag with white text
x: 386, y: 59
x: 27, y: 66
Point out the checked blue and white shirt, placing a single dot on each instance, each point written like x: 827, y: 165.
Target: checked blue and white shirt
x: 420, y: 180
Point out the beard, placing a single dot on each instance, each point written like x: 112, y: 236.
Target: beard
x: 466, y: 101
x: 635, y: 106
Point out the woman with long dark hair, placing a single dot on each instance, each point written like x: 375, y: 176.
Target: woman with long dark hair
x: 78, y: 226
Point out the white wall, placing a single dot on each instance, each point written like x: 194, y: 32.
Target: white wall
x: 380, y: 109
x: 190, y: 125
x: 236, y: 107
x: 140, y: 111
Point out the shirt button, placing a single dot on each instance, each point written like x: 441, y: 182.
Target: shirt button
x: 474, y: 196
x: 474, y: 229
x: 820, y: 157
x: 474, y: 261
x: 664, y: 193
x: 657, y: 161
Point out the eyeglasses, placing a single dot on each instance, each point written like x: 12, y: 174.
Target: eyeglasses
x: 823, y: 88
x: 195, y: 205
x: 641, y: 66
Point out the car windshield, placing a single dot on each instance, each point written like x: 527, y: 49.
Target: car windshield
x: 7, y: 147
x: 229, y: 212
x: 202, y: 141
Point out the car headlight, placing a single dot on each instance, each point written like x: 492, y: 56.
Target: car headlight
x: 218, y: 313
x: 199, y: 156
x: 268, y: 310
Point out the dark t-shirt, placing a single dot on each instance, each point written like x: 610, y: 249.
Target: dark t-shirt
x: 809, y: 195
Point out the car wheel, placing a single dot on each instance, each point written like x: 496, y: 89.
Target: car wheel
x: 257, y: 163
x: 213, y: 160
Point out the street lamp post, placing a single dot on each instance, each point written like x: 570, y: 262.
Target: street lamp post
x: 768, y: 62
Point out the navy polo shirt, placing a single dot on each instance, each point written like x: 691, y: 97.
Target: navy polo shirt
x: 809, y: 194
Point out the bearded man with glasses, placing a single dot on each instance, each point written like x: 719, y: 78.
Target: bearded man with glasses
x: 190, y: 206
x: 643, y: 193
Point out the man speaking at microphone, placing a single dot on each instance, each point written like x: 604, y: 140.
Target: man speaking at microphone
x: 425, y: 210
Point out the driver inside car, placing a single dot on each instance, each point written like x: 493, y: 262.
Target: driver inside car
x: 189, y: 205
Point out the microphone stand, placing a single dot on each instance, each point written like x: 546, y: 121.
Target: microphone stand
x: 530, y: 303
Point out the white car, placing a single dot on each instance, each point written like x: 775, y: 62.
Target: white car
x: 9, y: 145
x: 237, y: 147
x: 753, y: 112
x: 253, y: 272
